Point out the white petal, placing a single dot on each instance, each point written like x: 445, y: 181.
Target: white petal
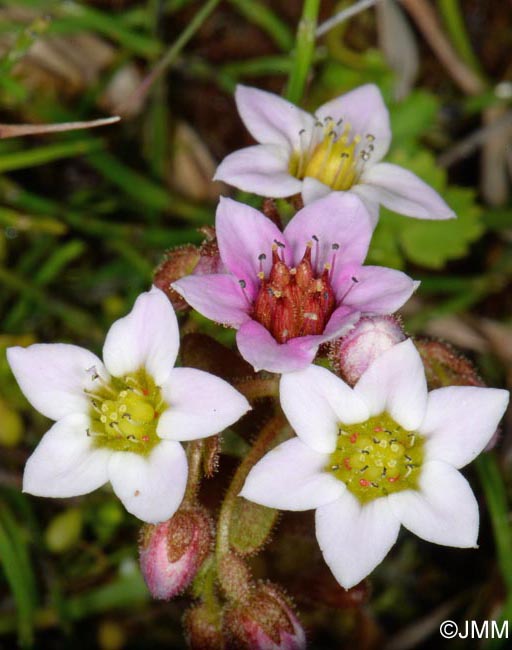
x: 262, y: 169
x: 147, y: 338
x: 460, y: 421
x: 53, y: 377
x: 151, y: 488
x: 370, y: 201
x: 363, y: 109
x: 395, y: 382
x: 313, y: 189
x: 355, y: 538
x: 292, y: 477
x: 65, y: 463
x: 315, y: 401
x: 270, y: 119
x: 200, y: 405
x: 402, y: 191
x: 444, y: 509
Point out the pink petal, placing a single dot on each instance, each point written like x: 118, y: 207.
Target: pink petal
x: 259, y: 348
x: 402, y: 191
x: 244, y: 235
x: 262, y: 169
x: 339, y: 219
x: 378, y: 290
x: 443, y: 511
x: 395, y: 382
x: 219, y: 297
x: 292, y: 477
x: 147, y: 338
x: 460, y: 421
x: 340, y: 323
x: 364, y: 110
x: 53, y: 376
x: 150, y: 487
x: 355, y: 538
x: 270, y: 119
x: 66, y: 463
x: 200, y: 405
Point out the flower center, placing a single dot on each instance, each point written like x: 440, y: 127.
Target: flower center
x: 377, y: 457
x: 293, y: 301
x: 331, y: 154
x: 124, y: 413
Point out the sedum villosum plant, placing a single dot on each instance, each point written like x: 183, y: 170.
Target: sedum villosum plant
x: 345, y: 425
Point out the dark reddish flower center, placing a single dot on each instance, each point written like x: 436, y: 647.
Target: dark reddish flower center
x: 294, y: 301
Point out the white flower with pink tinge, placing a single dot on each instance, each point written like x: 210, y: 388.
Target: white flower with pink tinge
x: 288, y: 292
x: 122, y: 420
x: 339, y: 148
x: 377, y: 456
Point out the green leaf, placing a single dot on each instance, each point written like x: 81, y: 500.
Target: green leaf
x: 15, y: 561
x: 427, y: 243
x: 413, y: 116
x: 251, y: 525
x: 433, y: 243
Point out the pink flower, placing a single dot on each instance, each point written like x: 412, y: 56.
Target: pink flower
x: 339, y: 148
x: 288, y: 292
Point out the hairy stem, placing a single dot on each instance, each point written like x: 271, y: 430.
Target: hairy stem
x: 194, y: 457
x: 262, y: 444
x: 254, y: 389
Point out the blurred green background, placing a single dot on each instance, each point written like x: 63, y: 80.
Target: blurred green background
x: 86, y: 216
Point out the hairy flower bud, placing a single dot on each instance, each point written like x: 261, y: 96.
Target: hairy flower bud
x: 264, y: 620
x: 177, y: 262
x: 187, y: 260
x: 203, y: 627
x: 172, y: 552
x: 351, y: 355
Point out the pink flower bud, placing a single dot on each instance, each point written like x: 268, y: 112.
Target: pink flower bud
x: 368, y: 339
x: 172, y: 552
x: 264, y: 620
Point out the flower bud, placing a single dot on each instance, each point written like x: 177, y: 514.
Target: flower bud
x: 203, y: 628
x: 264, y: 621
x: 188, y: 260
x: 177, y: 263
x: 172, y: 552
x: 351, y: 355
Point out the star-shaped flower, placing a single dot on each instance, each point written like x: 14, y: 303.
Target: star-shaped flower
x: 383, y: 454
x: 288, y: 292
x: 339, y: 148
x: 121, y: 420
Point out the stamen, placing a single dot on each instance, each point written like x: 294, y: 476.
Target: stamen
x: 354, y: 282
